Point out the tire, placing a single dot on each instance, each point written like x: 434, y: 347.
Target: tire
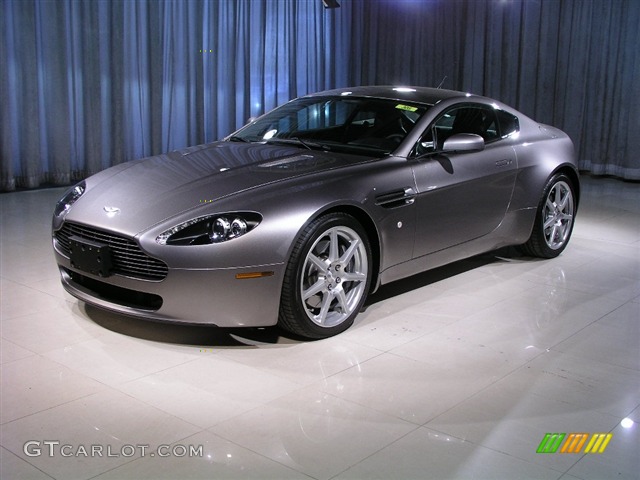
x: 327, y: 278
x: 554, y: 219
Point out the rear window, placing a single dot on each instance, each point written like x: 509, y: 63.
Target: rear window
x: 508, y: 123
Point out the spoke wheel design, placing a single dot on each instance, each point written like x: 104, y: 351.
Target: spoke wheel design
x: 333, y: 277
x: 558, y: 215
x: 327, y: 278
x: 554, y: 219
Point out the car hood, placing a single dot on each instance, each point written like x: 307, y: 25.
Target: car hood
x: 151, y: 190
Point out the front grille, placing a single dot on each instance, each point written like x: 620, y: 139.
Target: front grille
x: 127, y: 257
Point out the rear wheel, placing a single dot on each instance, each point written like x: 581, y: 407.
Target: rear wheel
x: 554, y: 219
x: 327, y: 278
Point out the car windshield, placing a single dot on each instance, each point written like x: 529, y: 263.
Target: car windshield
x: 359, y: 125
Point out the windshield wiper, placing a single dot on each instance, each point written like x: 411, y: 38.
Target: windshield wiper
x: 235, y: 138
x: 298, y: 141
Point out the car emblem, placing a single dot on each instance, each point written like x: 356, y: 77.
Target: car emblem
x: 111, y: 211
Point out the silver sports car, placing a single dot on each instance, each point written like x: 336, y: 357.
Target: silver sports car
x: 295, y: 218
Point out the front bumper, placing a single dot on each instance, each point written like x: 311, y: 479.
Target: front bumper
x: 191, y: 296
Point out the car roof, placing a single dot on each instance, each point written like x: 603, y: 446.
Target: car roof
x: 426, y: 95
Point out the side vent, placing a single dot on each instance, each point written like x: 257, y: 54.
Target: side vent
x: 396, y: 198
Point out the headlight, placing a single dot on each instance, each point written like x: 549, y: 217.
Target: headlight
x: 210, y: 229
x: 69, y: 198
x: 238, y: 227
x: 220, y: 229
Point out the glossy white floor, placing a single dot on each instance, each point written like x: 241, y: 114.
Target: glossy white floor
x: 457, y: 373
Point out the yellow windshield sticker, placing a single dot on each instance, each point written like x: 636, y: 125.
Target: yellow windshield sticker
x: 408, y: 108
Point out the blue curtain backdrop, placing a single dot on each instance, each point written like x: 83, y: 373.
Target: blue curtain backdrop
x: 574, y: 64
x: 89, y: 84
x: 85, y: 84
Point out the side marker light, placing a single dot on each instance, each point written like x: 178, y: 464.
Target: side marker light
x: 245, y: 276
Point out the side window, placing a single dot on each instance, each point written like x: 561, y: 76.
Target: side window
x: 479, y: 120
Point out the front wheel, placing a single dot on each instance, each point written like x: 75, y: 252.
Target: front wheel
x: 327, y: 278
x: 554, y: 219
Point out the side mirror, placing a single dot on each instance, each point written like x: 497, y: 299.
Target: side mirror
x: 463, y: 142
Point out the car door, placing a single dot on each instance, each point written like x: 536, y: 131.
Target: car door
x: 461, y: 196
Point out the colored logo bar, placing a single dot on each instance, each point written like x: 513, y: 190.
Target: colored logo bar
x: 598, y: 443
x: 573, y: 442
x: 550, y: 442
